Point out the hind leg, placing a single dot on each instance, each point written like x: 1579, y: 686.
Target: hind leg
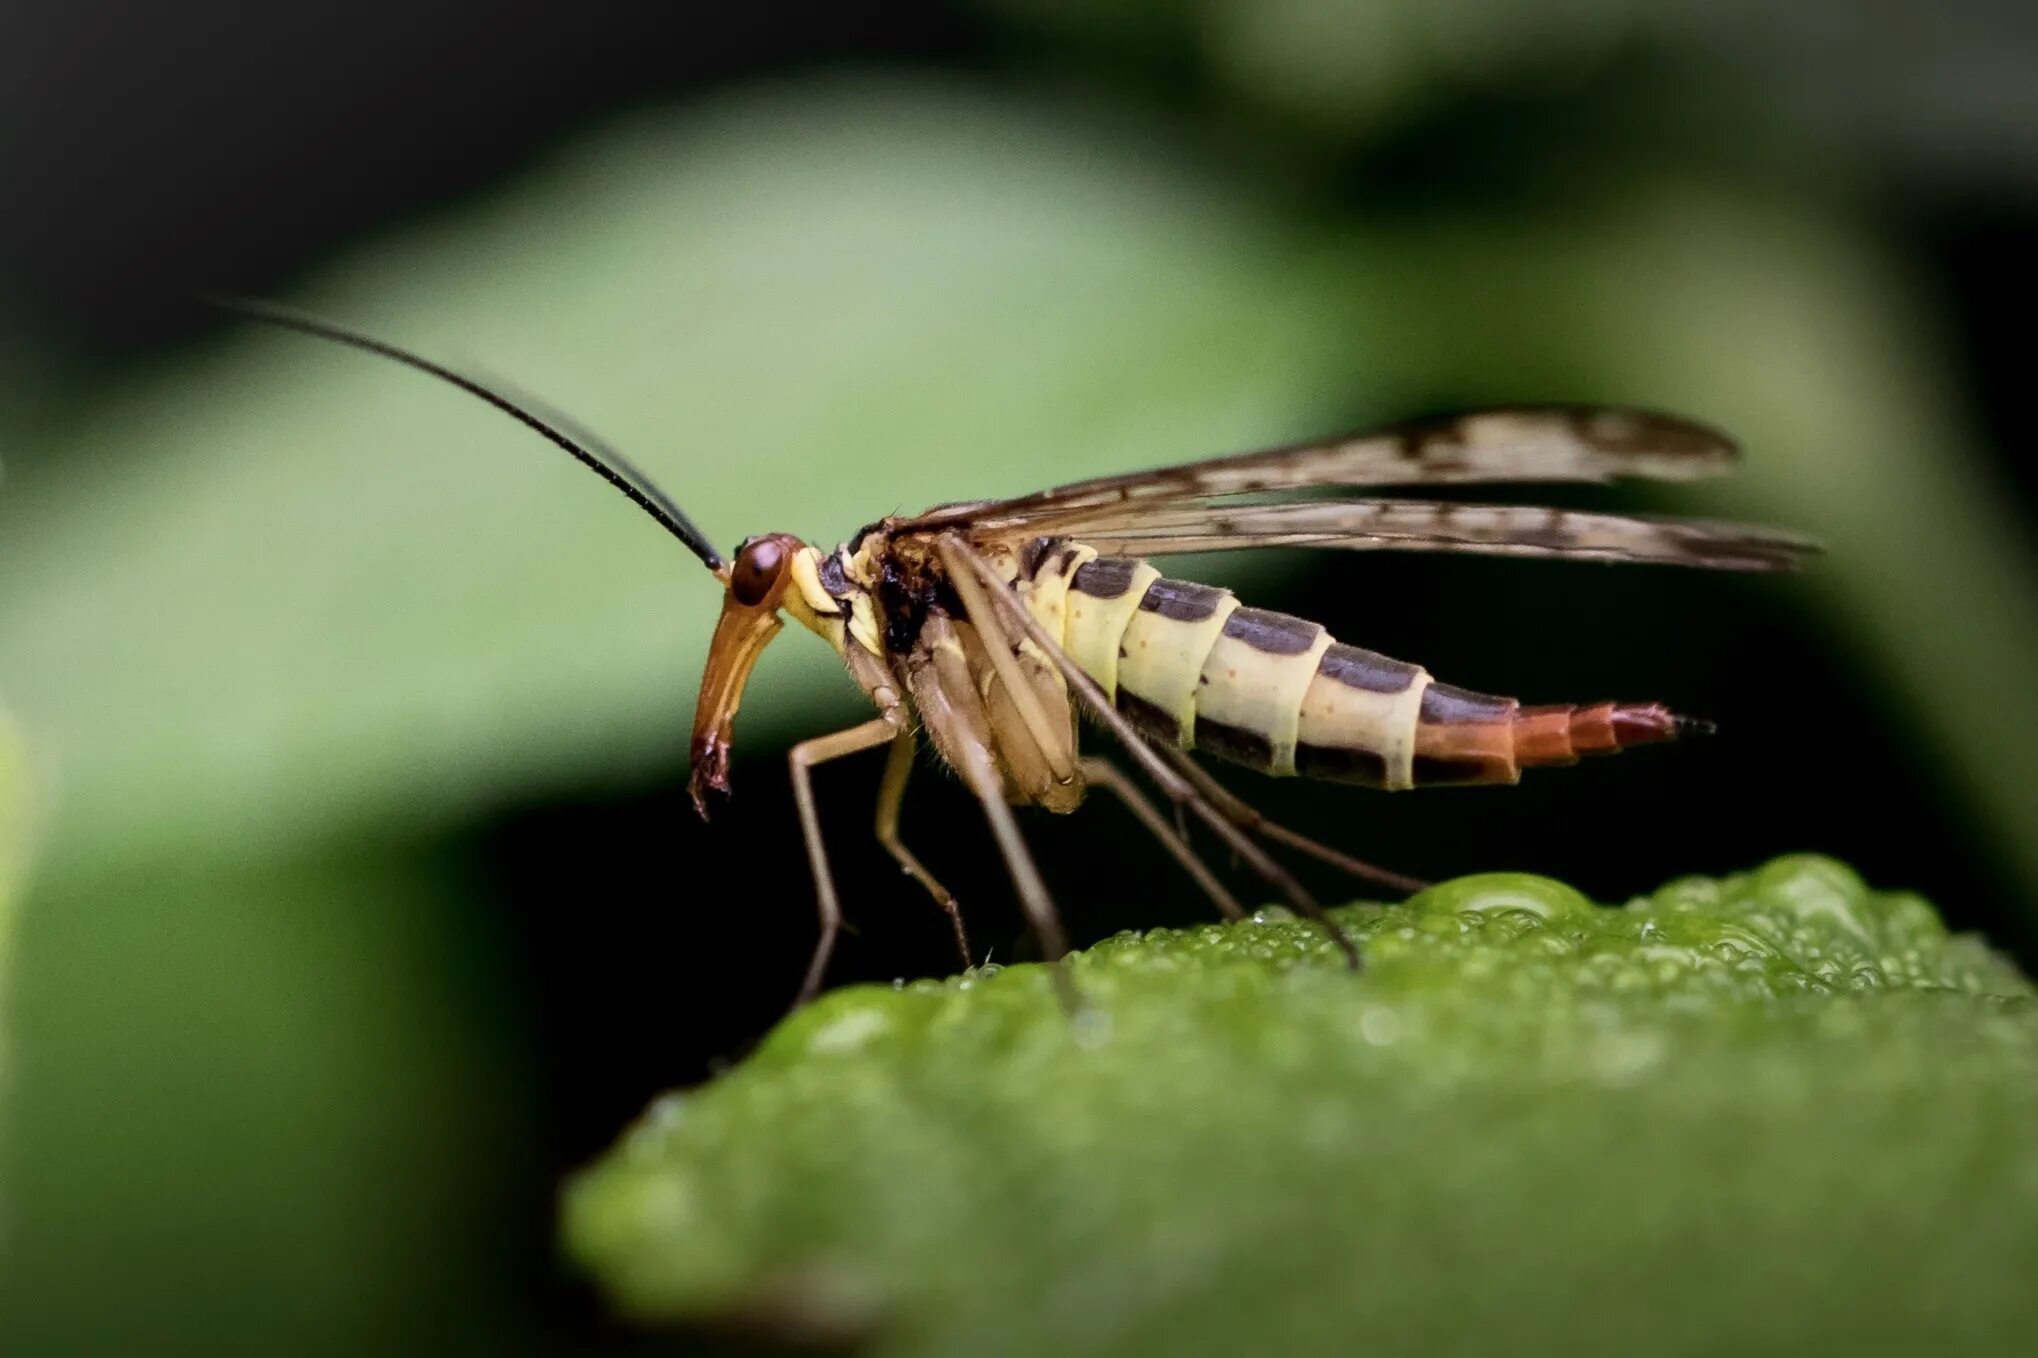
x: 1242, y: 814
x: 1102, y: 773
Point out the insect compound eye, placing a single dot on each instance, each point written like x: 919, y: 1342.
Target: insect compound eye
x: 759, y: 564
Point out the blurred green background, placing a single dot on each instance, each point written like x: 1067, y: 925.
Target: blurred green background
x: 364, y: 901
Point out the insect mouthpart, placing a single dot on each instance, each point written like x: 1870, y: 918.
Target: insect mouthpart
x: 756, y: 582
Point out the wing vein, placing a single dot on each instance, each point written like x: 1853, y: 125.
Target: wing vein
x: 1506, y: 444
x: 1441, y: 526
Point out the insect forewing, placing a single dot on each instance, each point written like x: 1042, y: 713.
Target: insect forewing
x: 1434, y: 526
x: 1506, y: 444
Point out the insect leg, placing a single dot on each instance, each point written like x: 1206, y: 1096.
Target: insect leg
x: 1104, y: 774
x: 1039, y: 906
x: 804, y: 756
x: 947, y: 702
x: 891, y: 792
x: 961, y: 558
x: 1248, y: 818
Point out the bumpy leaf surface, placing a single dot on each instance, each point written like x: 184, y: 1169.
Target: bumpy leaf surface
x: 1777, y: 1111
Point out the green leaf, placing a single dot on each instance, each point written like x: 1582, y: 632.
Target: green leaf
x: 248, y: 1106
x: 15, y: 819
x: 1777, y: 1111
x: 15, y: 823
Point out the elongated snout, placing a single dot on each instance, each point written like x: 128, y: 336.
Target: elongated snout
x: 755, y: 583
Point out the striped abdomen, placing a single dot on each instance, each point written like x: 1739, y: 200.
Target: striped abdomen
x: 1191, y: 667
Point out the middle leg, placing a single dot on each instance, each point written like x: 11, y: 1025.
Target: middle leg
x: 891, y: 792
x: 945, y: 695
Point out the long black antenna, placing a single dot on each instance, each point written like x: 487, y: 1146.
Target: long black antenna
x: 604, y: 461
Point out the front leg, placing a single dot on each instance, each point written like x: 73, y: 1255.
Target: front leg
x: 804, y: 756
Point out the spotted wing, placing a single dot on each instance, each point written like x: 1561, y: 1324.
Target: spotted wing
x: 1436, y: 526
x: 1507, y: 444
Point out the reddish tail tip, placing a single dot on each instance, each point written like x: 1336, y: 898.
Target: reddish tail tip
x: 1650, y: 723
x: 1561, y: 734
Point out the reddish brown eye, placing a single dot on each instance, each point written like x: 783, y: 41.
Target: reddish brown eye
x: 758, y: 566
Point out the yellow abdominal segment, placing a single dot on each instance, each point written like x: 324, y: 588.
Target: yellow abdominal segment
x: 1047, y: 593
x: 1160, y: 660
x: 1193, y: 669
x: 1335, y: 715
x: 1247, y: 689
x: 1096, y: 622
